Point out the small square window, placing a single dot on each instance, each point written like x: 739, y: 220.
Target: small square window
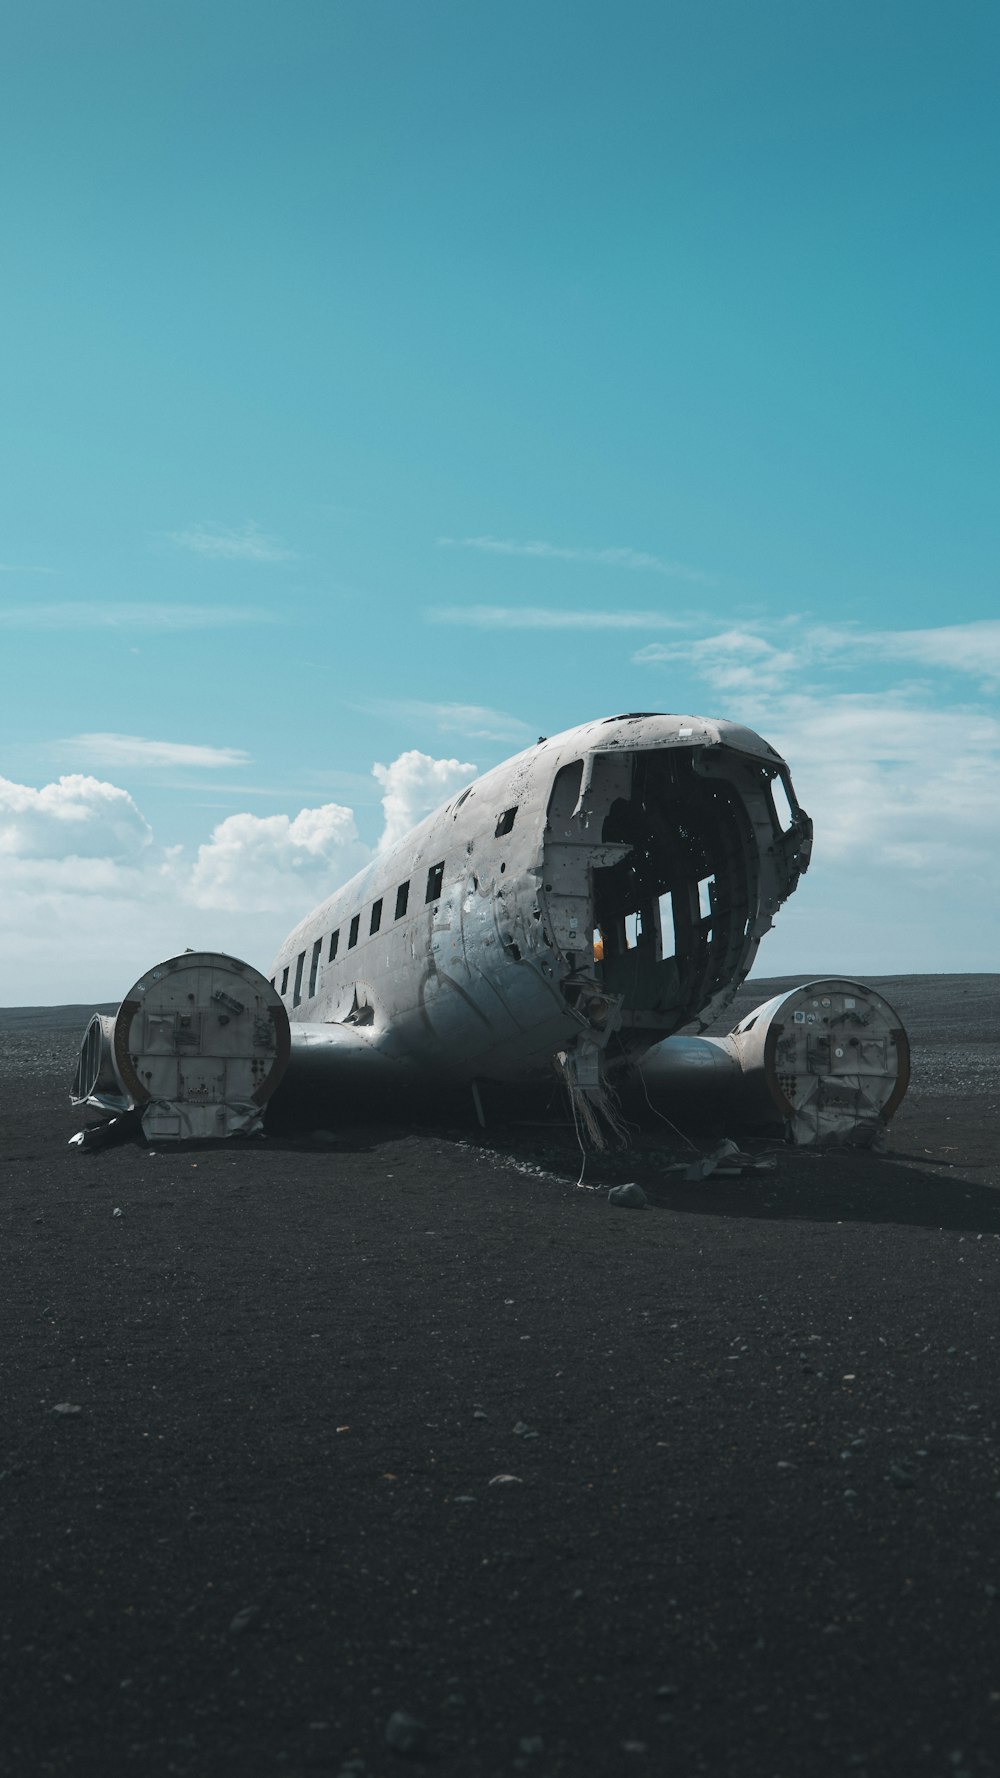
x: 352, y: 936
x: 435, y: 878
x: 300, y: 963
x: 402, y: 897
x: 284, y: 979
x: 376, y: 915
x: 505, y: 822
x: 334, y: 941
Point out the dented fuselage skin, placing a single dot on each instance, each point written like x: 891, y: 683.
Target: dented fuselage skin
x: 594, y: 894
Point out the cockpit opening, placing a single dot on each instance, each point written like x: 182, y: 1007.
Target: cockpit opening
x: 671, y: 912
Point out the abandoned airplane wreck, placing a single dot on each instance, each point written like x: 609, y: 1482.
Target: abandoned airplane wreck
x: 567, y: 914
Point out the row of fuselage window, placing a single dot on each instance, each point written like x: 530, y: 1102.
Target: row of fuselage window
x: 435, y: 878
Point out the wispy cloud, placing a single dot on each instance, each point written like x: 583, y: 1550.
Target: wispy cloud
x: 23, y: 568
x: 549, y: 617
x: 896, y: 776
x: 90, y: 615
x: 247, y: 545
x: 745, y: 658
x: 229, y: 791
x: 893, y: 781
x: 731, y: 660
x: 972, y: 648
x: 635, y: 559
x: 475, y: 721
x: 134, y: 750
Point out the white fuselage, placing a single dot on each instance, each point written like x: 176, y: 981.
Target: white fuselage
x: 610, y: 883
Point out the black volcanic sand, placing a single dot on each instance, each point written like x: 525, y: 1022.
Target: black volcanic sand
x: 755, y: 1525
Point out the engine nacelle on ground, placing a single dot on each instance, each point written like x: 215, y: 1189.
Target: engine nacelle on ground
x: 828, y: 1062
x: 195, y: 1050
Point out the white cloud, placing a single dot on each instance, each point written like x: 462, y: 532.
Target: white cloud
x: 90, y: 901
x: 767, y: 657
x: 633, y: 559
x: 287, y: 864
x: 972, y: 648
x: 86, y: 614
x: 133, y: 750
x: 733, y: 660
x: 23, y: 568
x: 277, y: 861
x: 77, y: 817
x: 85, y: 929
x: 898, y: 784
x: 221, y: 543
x: 893, y: 782
x: 906, y: 804
x: 549, y: 617
x: 477, y: 721
x: 413, y: 785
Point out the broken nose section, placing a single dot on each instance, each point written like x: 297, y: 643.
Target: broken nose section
x: 195, y: 1050
x: 827, y: 1063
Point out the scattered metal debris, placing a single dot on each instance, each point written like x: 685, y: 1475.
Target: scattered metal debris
x: 627, y: 1197
x: 725, y: 1162
x: 123, y: 1128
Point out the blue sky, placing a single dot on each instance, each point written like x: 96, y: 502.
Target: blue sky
x: 386, y: 384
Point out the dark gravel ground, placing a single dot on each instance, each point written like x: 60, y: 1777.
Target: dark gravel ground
x: 756, y: 1522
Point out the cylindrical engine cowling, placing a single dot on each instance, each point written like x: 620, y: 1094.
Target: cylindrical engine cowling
x: 827, y: 1062
x: 197, y: 1047
x: 698, y: 1068
x: 96, y: 1081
